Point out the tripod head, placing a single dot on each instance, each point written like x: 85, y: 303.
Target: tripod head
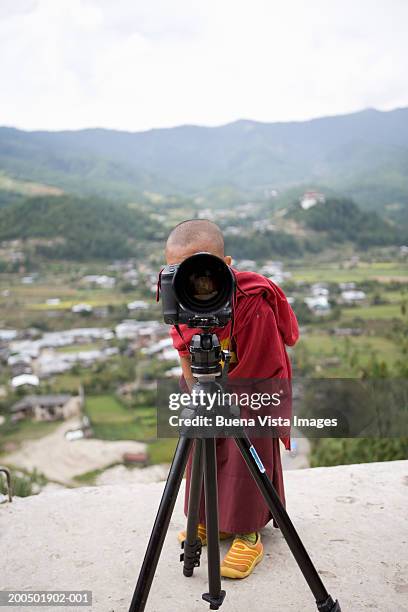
x: 207, y: 355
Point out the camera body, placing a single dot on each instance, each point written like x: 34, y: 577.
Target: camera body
x: 198, y: 292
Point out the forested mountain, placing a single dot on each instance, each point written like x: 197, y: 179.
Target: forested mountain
x: 77, y: 228
x: 364, y: 155
x: 69, y: 227
x: 341, y: 220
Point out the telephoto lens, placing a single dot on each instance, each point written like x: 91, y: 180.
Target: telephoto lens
x: 203, y: 283
x: 198, y: 292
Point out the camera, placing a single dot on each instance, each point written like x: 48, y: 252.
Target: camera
x: 198, y: 292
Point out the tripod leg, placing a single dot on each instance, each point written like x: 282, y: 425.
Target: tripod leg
x: 324, y: 601
x: 215, y: 596
x: 161, y: 525
x: 192, y: 543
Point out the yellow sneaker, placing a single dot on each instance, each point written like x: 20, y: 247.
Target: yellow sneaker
x: 242, y: 558
x: 202, y: 534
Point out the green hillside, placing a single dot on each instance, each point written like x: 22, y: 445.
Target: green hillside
x: 341, y: 220
x: 69, y: 227
x: 363, y: 155
x: 77, y: 228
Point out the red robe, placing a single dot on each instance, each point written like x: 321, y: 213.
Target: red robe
x: 263, y: 324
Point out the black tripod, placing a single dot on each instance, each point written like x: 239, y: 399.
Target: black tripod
x: 206, y: 367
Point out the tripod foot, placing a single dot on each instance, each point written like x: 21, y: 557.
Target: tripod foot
x: 329, y: 605
x: 215, y: 602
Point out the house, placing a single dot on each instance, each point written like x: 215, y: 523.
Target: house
x: 137, y: 305
x: 319, y: 289
x: 130, y: 329
x: 25, y: 379
x: 310, y: 199
x: 51, y: 362
x: 81, y: 308
x: 46, y: 407
x: 347, y: 286
x: 85, y: 334
x: 27, y: 280
x: 21, y: 367
x: 32, y: 348
x: 157, y: 347
x: 6, y: 335
x: 169, y: 354
x: 318, y: 304
x: 352, y: 296
x: 100, y: 280
x: 20, y: 358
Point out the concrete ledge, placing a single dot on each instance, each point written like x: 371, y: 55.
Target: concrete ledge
x: 353, y: 521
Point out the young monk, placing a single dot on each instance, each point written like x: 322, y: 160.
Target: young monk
x: 263, y: 323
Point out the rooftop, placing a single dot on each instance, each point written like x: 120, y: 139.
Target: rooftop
x: 352, y: 520
x: 43, y: 400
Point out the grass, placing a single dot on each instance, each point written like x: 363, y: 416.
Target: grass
x: 33, y: 297
x: 66, y: 382
x: 88, y: 478
x: 26, y: 304
x: 68, y: 304
x: 395, y: 296
x: 27, y: 188
x: 26, y: 429
x: 325, y: 345
x: 352, y: 353
x: 381, y: 311
x: 162, y: 450
x: 364, y: 271
x: 112, y: 420
x: 75, y: 348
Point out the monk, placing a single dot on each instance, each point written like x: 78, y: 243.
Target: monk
x: 263, y: 324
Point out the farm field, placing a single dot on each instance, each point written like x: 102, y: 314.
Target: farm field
x: 382, y: 271
x: 112, y: 420
x: 344, y: 356
x: 25, y: 305
x: 373, y: 312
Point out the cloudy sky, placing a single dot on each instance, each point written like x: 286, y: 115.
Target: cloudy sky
x: 138, y: 64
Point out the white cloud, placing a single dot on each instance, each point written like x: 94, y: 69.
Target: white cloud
x: 133, y: 64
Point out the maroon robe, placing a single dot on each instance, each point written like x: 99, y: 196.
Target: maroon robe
x: 263, y: 323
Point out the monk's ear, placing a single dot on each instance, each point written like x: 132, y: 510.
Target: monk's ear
x: 228, y: 260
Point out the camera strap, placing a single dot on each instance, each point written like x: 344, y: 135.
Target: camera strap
x: 158, y: 287
x: 178, y: 330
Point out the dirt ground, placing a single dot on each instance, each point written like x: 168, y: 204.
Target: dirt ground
x: 61, y: 460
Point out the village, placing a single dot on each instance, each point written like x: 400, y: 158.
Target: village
x: 29, y: 357
x: 82, y: 346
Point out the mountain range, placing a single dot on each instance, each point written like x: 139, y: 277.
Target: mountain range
x: 363, y: 155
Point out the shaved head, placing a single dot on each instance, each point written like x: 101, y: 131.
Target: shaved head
x: 194, y: 236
